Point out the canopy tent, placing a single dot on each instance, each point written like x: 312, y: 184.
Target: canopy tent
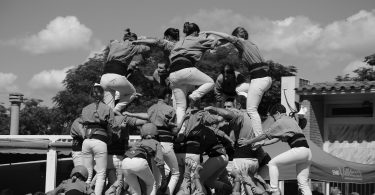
x: 325, y: 167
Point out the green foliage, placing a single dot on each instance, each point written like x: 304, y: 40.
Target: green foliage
x: 362, y: 74
x: 38, y: 120
x: 4, y: 121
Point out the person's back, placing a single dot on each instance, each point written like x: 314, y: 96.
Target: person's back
x: 75, y: 185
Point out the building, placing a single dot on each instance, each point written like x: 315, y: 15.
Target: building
x: 340, y: 115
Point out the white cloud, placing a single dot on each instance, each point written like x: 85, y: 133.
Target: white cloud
x: 62, y: 33
x: 7, y: 82
x: 48, y: 80
x: 297, y: 40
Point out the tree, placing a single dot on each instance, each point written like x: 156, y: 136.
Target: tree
x: 362, y: 73
x: 370, y: 59
x: 34, y: 119
x: 4, y: 121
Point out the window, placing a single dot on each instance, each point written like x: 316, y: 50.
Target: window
x: 350, y: 110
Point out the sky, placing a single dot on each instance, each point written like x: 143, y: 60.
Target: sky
x: 41, y: 39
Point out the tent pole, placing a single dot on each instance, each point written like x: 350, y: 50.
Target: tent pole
x: 51, y: 164
x: 281, y: 186
x: 327, y: 188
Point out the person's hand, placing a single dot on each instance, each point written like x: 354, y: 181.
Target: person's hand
x: 244, y: 142
x: 235, y: 173
x: 180, y: 137
x: 257, y: 145
x: 126, y: 113
x: 209, y: 108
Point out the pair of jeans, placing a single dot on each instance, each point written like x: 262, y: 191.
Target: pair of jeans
x: 170, y: 160
x: 300, y: 156
x: 114, y: 169
x: 212, y: 168
x: 181, y: 81
x: 114, y: 82
x: 77, y: 157
x: 256, y: 90
x: 134, y: 168
x: 94, y: 149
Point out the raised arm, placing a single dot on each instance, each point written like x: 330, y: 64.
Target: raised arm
x: 230, y: 38
x: 226, y: 114
x: 143, y: 116
x: 145, y: 41
x: 244, y: 141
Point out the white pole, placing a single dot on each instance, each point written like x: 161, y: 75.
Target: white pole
x: 327, y: 188
x: 281, y: 186
x: 51, y: 169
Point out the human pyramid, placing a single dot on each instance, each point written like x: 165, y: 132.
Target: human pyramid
x: 184, y: 148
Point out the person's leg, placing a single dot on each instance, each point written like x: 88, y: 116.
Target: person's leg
x: 292, y: 156
x: 114, y: 172
x: 88, y: 157
x: 180, y: 102
x: 212, y: 168
x: 111, y: 171
x: 109, y: 93
x: 303, y: 171
x: 77, y: 157
x: 181, y: 167
x: 100, y: 155
x: 146, y: 175
x: 129, y: 167
x: 243, y: 87
x: 198, y: 78
x: 171, y: 160
x: 126, y: 90
x: 256, y: 90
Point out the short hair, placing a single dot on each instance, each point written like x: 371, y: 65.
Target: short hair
x: 189, y: 28
x: 129, y: 35
x: 242, y: 101
x: 231, y: 68
x: 237, y: 30
x: 229, y: 99
x: 174, y: 33
x: 277, y: 108
x: 97, y: 92
x: 162, y: 91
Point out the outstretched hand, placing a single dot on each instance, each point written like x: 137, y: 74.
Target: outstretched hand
x: 209, y: 108
x: 244, y: 142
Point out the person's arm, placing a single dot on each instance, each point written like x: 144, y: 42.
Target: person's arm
x: 244, y: 141
x: 145, y: 41
x: 143, y: 116
x: 223, y: 135
x: 271, y: 141
x: 226, y: 114
x: 58, y: 189
x: 218, y: 89
x: 230, y: 38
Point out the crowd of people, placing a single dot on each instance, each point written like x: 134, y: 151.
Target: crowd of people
x: 185, y: 146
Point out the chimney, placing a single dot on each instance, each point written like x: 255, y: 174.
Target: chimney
x: 15, y: 102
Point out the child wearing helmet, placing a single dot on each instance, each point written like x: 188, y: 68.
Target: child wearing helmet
x: 75, y: 185
x: 141, y: 157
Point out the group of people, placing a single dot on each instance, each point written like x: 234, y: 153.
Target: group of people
x: 185, y: 147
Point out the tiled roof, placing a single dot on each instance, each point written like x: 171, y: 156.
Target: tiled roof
x: 337, y: 87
